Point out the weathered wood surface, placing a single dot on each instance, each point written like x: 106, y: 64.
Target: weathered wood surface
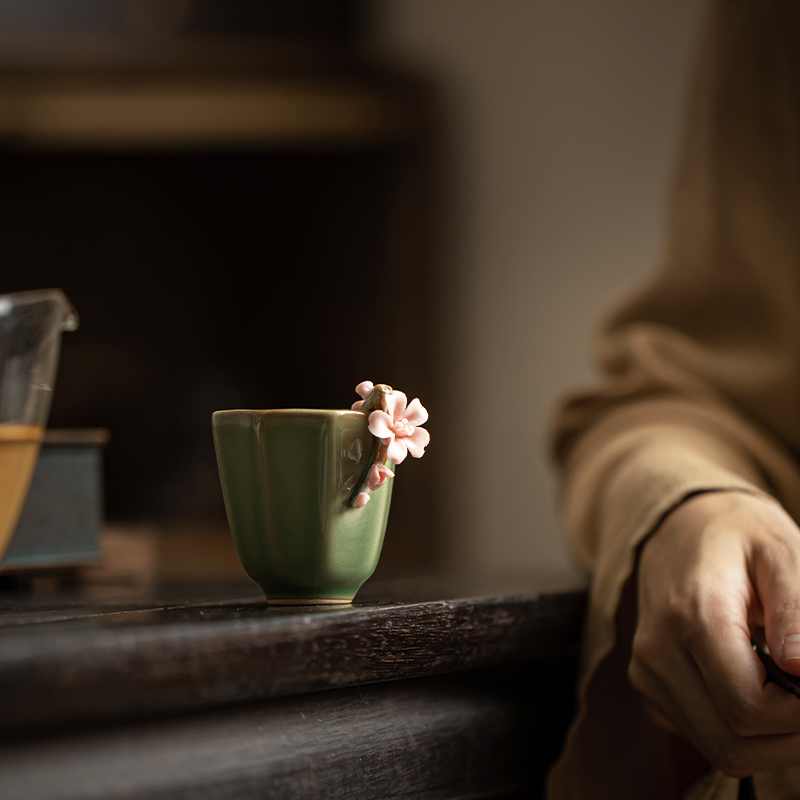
x: 73, y: 665
x: 468, y: 737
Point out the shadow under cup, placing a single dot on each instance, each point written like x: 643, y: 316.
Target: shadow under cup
x: 286, y: 477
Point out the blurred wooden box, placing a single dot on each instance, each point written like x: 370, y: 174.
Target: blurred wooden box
x: 62, y: 518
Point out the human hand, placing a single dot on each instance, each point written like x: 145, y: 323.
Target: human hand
x: 722, y: 567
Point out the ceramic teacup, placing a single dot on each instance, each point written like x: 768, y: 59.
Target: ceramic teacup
x: 287, y: 475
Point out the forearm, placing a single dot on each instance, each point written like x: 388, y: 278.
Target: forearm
x: 636, y: 463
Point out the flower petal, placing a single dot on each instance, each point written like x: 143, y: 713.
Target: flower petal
x: 380, y: 425
x: 417, y: 442
x: 397, y: 450
x: 396, y: 405
x: 374, y: 478
x: 364, y: 388
x: 362, y: 498
x: 416, y: 413
x: 378, y: 475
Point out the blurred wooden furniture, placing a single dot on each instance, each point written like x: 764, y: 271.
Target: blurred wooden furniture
x: 196, y: 111
x: 231, y: 195
x: 425, y: 689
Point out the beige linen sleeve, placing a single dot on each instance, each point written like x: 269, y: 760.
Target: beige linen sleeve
x: 700, y: 386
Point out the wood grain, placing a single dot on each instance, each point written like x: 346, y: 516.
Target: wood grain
x: 467, y: 737
x: 139, y: 662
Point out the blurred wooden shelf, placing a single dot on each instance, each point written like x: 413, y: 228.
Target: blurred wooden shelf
x: 194, y: 111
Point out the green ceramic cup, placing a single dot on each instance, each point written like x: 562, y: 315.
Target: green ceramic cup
x: 286, y: 477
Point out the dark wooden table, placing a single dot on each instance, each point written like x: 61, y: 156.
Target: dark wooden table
x: 428, y: 688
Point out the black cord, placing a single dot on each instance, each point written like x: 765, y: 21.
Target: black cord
x: 747, y: 789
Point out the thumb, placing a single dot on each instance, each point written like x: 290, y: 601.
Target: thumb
x: 778, y: 579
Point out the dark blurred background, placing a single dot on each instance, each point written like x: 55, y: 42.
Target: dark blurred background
x: 262, y: 203
x: 224, y: 191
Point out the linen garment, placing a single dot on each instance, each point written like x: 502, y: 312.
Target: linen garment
x: 700, y: 388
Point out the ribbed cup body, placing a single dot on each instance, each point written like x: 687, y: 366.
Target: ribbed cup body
x: 286, y: 475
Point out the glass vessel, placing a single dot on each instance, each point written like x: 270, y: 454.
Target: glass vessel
x: 31, y: 324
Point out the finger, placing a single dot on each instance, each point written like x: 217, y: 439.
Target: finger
x: 678, y: 700
x: 747, y: 756
x: 777, y: 579
x: 659, y: 704
x: 686, y: 706
x: 655, y: 714
x: 736, y: 679
x: 667, y: 676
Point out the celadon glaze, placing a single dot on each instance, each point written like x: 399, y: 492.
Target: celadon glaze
x: 286, y: 476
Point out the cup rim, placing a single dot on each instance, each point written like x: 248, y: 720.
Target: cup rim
x: 305, y: 412
x: 11, y: 300
x: 33, y: 295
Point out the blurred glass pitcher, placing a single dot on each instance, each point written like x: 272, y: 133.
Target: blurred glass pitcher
x: 31, y: 324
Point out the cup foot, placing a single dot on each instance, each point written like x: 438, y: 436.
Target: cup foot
x: 302, y: 601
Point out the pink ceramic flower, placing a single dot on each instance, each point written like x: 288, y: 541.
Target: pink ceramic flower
x: 362, y: 498
x: 378, y: 475
x: 400, y: 429
x: 363, y: 389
